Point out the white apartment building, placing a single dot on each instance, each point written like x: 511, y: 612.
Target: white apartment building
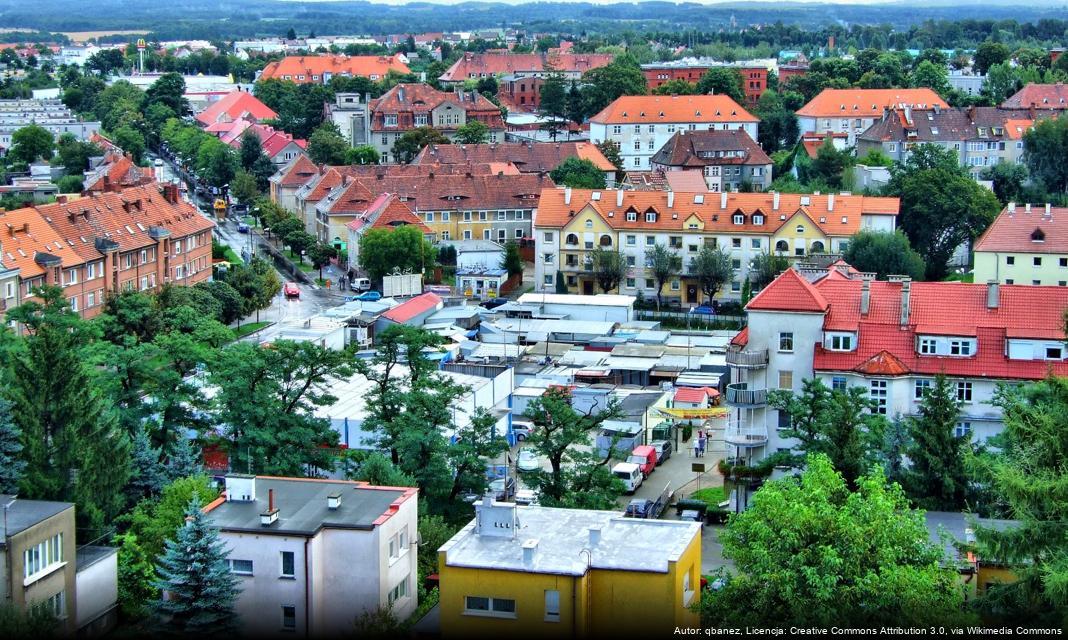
x: 641, y: 125
x: 313, y: 555
x: 852, y: 111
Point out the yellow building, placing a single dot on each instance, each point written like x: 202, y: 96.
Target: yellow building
x: 1025, y: 245
x: 534, y: 571
x: 571, y: 223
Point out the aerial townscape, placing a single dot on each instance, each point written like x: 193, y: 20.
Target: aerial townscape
x: 533, y: 319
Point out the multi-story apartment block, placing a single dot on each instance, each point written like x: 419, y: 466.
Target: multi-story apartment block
x: 116, y: 172
x: 410, y: 106
x: 51, y: 114
x: 351, y: 116
x: 852, y: 111
x: 725, y: 159
x: 319, y: 69
x: 541, y: 572
x: 571, y: 222
x: 1025, y: 245
x: 134, y: 239
x: 528, y: 157
x: 313, y: 555
x: 474, y: 66
x: 641, y: 125
x: 754, y: 73
x: 891, y: 339
x: 1039, y: 96
x: 289, y: 179
x: 980, y: 136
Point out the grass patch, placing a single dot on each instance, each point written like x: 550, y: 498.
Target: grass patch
x: 960, y: 277
x: 230, y: 256
x: 305, y: 267
x: 249, y: 328
x: 711, y: 496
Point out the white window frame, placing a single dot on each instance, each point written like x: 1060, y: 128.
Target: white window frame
x: 965, y: 391
x: 491, y: 611
x: 232, y: 563
x: 786, y: 338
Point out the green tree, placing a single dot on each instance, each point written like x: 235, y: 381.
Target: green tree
x: 778, y: 123
x: 412, y: 142
x: 154, y: 521
x: 169, y: 91
x: 677, y: 87
x: 131, y: 141
x: 11, y: 464
x: 609, y: 266
x: 136, y: 576
x: 765, y: 267
x: 30, y: 143
x: 988, y: 54
x: 320, y: 255
x: 30, y: 624
x: 70, y: 184
x: 601, y: 86
x: 722, y: 80
x: 811, y: 551
x: 1045, y: 147
x: 215, y: 162
x: 74, y: 155
x: 298, y: 242
x: 71, y: 442
x: 884, y: 253
x: 937, y: 478
x: 382, y: 250
x: 326, y: 146
x: 146, y: 470
x: 713, y: 268
x: 663, y: 264
x: 257, y: 284
x: 839, y: 424
x: 933, y: 76
x: 363, y: 154
x: 243, y: 187
x: 474, y: 132
x: 251, y: 149
x: 831, y: 164
x: 1008, y: 179
x: 513, y: 262
x: 552, y: 103
x: 195, y: 574
x: 578, y: 173
x: 561, y: 282
x: 183, y: 462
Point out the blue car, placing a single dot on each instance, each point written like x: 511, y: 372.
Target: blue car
x: 242, y: 228
x: 369, y: 296
x: 705, y: 310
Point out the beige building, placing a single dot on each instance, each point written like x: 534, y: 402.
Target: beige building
x: 1026, y: 244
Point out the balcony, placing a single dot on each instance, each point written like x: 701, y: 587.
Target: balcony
x: 740, y: 394
x: 741, y: 434
x: 747, y: 358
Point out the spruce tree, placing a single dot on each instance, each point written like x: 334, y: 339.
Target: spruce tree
x: 147, y: 474
x: 937, y: 478
x: 11, y: 465
x: 184, y: 460
x: 73, y: 446
x: 194, y: 574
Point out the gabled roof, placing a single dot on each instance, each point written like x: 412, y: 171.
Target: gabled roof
x: 789, y: 292
x: 710, y: 147
x: 236, y: 105
x: 883, y: 363
x: 418, y: 305
x: 496, y: 64
x: 1039, y: 96
x: 307, y: 66
x: 528, y: 157
x: 867, y: 103
x: 397, y: 214
x: 422, y: 98
x: 694, y: 394
x: 297, y: 172
x: 1020, y: 231
x: 673, y: 109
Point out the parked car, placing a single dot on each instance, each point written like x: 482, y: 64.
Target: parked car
x: 527, y: 461
x: 630, y: 474
x: 158, y: 162
x: 242, y: 228
x: 360, y: 284
x: 526, y: 496
x: 493, y: 303
x: 663, y: 450
x: 521, y: 429
x: 645, y: 457
x: 291, y: 290
x: 503, y: 489
x: 369, y: 296
x: 704, y: 310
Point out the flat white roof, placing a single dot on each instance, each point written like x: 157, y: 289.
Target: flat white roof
x: 599, y: 300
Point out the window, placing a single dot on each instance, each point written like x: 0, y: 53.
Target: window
x: 1036, y: 262
x: 503, y: 215
x: 552, y: 605
x: 786, y: 380
x: 390, y: 120
x: 1010, y: 259
x: 650, y: 283
x: 736, y: 263
x: 736, y: 286
x: 963, y: 430
x: 631, y: 261
x: 43, y: 556
x: 650, y: 241
x: 786, y: 342
x: 547, y: 258
x: 841, y: 343
x: 289, y: 618
x: 72, y: 276
x: 630, y: 283
x: 650, y: 217
x: 838, y: 384
x: 632, y: 240
x: 922, y: 388
x: 736, y: 243
x: 240, y: 567
x: 144, y: 256
x: 960, y: 347
x: 144, y: 283
x: 74, y: 303
x: 1054, y: 353
x: 878, y: 396
x: 738, y: 219
x: 444, y: 216
x: 637, y: 146
x: 288, y: 568
x: 399, y: 591
x: 964, y: 391
x: 90, y: 271
x: 632, y: 216
x: 675, y: 285
x: 57, y: 605
x: 756, y: 241
x: 928, y: 346
x: 481, y: 606
x: 1063, y: 262
x: 177, y: 251
x: 445, y: 235
x: 429, y: 216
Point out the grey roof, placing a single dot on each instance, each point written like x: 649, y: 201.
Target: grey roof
x: 941, y: 125
x: 958, y: 527
x: 710, y: 147
x: 23, y: 514
x: 302, y: 507
x: 89, y: 555
x: 626, y: 544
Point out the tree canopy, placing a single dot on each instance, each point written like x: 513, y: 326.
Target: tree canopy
x: 884, y: 253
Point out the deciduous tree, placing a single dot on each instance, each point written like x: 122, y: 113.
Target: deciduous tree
x: 579, y: 173
x: 609, y: 266
x: 663, y: 264
x: 712, y: 266
x: 884, y: 253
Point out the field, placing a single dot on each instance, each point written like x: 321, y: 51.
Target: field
x: 85, y: 36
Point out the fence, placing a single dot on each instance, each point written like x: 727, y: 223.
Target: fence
x: 696, y: 321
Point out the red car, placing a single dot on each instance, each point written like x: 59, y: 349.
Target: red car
x: 291, y: 290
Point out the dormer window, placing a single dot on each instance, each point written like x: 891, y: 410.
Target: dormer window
x: 758, y: 219
x: 800, y: 228
x: 1038, y: 236
x: 632, y: 216
x: 739, y: 218
x: 650, y: 216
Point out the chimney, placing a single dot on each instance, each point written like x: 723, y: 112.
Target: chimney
x: 906, y: 289
x: 1047, y: 209
x: 830, y: 202
x: 529, y: 547
x: 333, y: 501
x: 722, y: 199
x: 671, y: 199
x: 61, y: 199
x: 993, y: 298
x: 1027, y: 208
x: 619, y: 197
x: 865, y: 294
x: 1011, y: 208
x: 775, y: 201
x: 270, y: 516
x: 595, y: 536
x: 240, y: 488
x: 567, y: 195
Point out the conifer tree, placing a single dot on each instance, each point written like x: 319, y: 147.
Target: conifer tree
x: 195, y: 576
x: 184, y: 460
x: 11, y: 465
x: 146, y: 477
x: 937, y: 478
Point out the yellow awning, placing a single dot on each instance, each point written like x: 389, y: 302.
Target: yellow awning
x: 695, y: 414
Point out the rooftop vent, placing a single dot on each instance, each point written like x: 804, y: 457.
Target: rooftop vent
x: 333, y: 501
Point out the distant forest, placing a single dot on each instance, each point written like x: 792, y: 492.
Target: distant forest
x: 905, y: 24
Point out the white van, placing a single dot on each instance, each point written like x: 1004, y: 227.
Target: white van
x: 360, y: 284
x: 630, y: 474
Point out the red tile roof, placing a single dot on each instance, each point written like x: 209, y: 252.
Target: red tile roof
x: 883, y: 363
x: 236, y: 105
x: 405, y: 100
x: 1027, y: 232
x: 118, y: 172
x: 298, y: 172
x: 657, y: 109
x: 528, y: 157
x: 700, y: 148
x: 695, y: 394
x: 418, y: 305
x: 292, y: 67
x: 789, y: 292
x: 1039, y: 96
x: 866, y: 103
x: 398, y: 214
x: 476, y: 65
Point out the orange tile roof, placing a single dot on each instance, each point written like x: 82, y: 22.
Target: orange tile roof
x: 397, y: 214
x: 24, y: 233
x: 235, y: 105
x: 298, y: 172
x: 654, y: 109
x: 866, y: 103
x: 1027, y: 232
x: 1039, y: 96
x: 529, y: 157
x: 307, y: 66
x: 555, y: 211
x: 883, y: 363
x: 789, y: 292
x: 495, y: 64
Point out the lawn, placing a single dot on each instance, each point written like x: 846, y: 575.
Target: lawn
x: 230, y: 256
x: 249, y: 328
x: 711, y: 496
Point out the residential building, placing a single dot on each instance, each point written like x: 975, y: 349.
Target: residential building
x: 528, y: 157
x: 350, y: 115
x: 134, y: 239
x: 344, y: 216
x: 9, y: 284
x: 115, y: 172
x: 518, y: 571
x: 969, y: 83
x: 409, y: 106
x: 319, y: 69
x: 726, y: 159
x: 754, y: 73
x: 796, y: 68
x: 641, y: 125
x: 891, y: 339
x: 312, y: 555
x: 980, y: 136
x: 52, y: 115
x: 280, y: 147
x: 852, y: 111
x: 473, y: 254
x: 520, y: 93
x: 571, y: 222
x: 289, y: 179
x: 1039, y: 96
x: 473, y: 66
x: 1024, y: 245
x: 236, y: 105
